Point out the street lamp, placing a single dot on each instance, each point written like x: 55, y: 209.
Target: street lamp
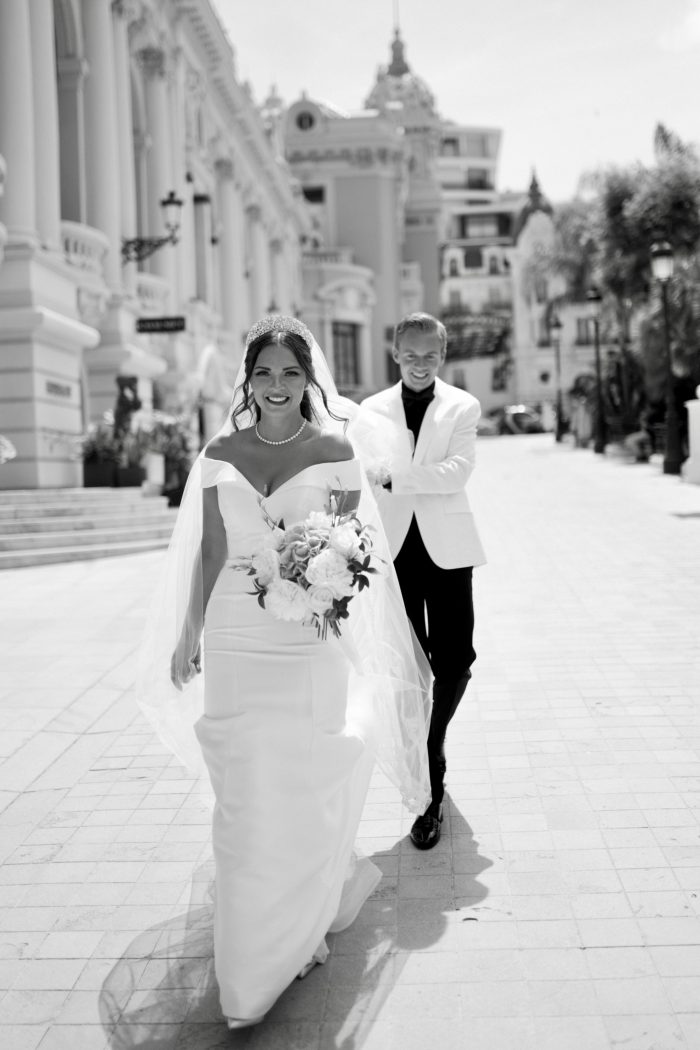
x: 662, y: 271
x: 138, y: 248
x: 594, y: 297
x: 555, y: 327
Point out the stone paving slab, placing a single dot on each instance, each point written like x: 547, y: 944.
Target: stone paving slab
x: 560, y: 911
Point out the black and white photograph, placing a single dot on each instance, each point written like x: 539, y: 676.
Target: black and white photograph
x: 349, y: 525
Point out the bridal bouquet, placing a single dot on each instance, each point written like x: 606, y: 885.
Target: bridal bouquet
x: 309, y: 573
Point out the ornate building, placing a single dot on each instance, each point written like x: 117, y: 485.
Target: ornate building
x: 412, y: 198
x: 151, y: 211
x: 108, y: 111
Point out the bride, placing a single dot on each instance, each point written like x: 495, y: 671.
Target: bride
x: 289, y: 724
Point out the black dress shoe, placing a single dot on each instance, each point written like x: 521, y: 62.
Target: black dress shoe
x: 425, y: 832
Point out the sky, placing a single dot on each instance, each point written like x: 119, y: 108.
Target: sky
x: 573, y: 84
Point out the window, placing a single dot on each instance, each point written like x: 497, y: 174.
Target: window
x: 583, y: 331
x: 454, y: 268
x: 478, y: 179
x: 314, y: 194
x: 305, y: 120
x: 482, y: 226
x: 450, y: 148
x: 473, y: 258
x: 493, y: 265
x: 346, y: 355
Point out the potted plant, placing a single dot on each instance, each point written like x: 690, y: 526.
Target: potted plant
x: 133, y: 446
x: 99, y: 450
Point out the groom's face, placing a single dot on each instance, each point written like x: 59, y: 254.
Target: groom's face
x: 419, y: 356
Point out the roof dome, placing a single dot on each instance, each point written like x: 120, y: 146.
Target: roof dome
x: 396, y: 83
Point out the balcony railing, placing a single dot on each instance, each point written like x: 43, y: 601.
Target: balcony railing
x: 84, y: 247
x: 152, y: 292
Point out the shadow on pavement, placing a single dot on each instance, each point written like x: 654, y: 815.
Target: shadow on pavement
x: 162, y: 994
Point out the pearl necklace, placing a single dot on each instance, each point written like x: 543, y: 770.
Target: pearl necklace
x: 284, y: 441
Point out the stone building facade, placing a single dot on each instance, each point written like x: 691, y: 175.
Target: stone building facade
x: 107, y: 107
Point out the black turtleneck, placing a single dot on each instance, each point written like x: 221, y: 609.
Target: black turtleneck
x: 415, y: 404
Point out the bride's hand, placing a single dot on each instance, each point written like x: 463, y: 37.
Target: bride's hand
x: 184, y: 665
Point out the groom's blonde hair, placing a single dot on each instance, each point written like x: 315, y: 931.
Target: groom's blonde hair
x: 423, y: 323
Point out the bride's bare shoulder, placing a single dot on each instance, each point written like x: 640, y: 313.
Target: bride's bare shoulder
x: 229, y: 446
x: 333, y: 448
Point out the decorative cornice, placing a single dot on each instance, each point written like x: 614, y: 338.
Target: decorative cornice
x: 129, y: 10
x: 152, y: 61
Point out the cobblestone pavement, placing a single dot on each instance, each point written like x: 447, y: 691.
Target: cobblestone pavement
x: 560, y: 911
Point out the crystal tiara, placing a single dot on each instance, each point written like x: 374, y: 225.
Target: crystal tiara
x: 279, y: 323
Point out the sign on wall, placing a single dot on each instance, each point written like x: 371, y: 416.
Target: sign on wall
x: 160, y: 324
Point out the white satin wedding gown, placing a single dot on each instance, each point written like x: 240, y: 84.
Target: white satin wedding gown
x: 289, y: 777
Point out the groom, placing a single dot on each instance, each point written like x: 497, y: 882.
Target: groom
x: 429, y: 524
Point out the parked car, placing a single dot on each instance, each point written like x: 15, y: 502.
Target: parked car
x: 517, y: 419
x: 487, y: 427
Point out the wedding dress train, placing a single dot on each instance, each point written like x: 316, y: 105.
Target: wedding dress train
x: 289, y: 775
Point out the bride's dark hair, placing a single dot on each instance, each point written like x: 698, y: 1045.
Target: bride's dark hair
x: 302, y: 353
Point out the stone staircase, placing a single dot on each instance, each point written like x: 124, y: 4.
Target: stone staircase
x: 41, y: 526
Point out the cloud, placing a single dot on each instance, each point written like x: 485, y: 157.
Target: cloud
x: 686, y: 35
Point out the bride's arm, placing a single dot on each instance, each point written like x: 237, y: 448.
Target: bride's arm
x: 186, y: 660
x: 214, y: 545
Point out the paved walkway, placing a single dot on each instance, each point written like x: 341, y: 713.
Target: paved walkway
x: 560, y: 911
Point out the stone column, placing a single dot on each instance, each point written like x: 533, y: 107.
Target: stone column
x: 17, y: 206
x: 231, y: 252
x: 101, y: 135
x: 260, y: 260
x: 279, y: 293
x: 184, y: 252
x: 691, y: 468
x: 48, y: 207
x: 71, y: 107
x: 203, y: 245
x: 123, y: 12
x: 160, y: 176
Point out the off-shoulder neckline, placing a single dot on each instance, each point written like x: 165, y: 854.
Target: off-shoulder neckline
x: 311, y: 466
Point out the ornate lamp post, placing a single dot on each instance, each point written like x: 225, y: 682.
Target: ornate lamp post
x: 138, y: 248
x: 595, y: 298
x: 555, y: 327
x: 662, y: 271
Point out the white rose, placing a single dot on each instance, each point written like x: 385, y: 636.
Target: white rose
x: 344, y: 539
x: 266, y: 563
x: 330, y: 569
x: 320, y: 599
x: 318, y: 519
x: 287, y: 601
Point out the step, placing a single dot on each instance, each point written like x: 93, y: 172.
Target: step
x: 88, y: 537
x: 15, y: 496
x: 158, y: 515
x: 49, y: 556
x: 82, y: 507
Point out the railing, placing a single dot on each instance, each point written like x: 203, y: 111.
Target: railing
x: 152, y: 292
x: 84, y: 247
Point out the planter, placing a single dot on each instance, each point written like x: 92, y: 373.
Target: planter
x: 98, y: 474
x: 155, y: 468
x: 129, y: 477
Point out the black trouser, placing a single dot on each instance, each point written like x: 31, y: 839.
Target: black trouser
x: 443, y: 597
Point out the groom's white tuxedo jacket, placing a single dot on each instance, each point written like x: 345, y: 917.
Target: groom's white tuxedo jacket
x: 430, y: 482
